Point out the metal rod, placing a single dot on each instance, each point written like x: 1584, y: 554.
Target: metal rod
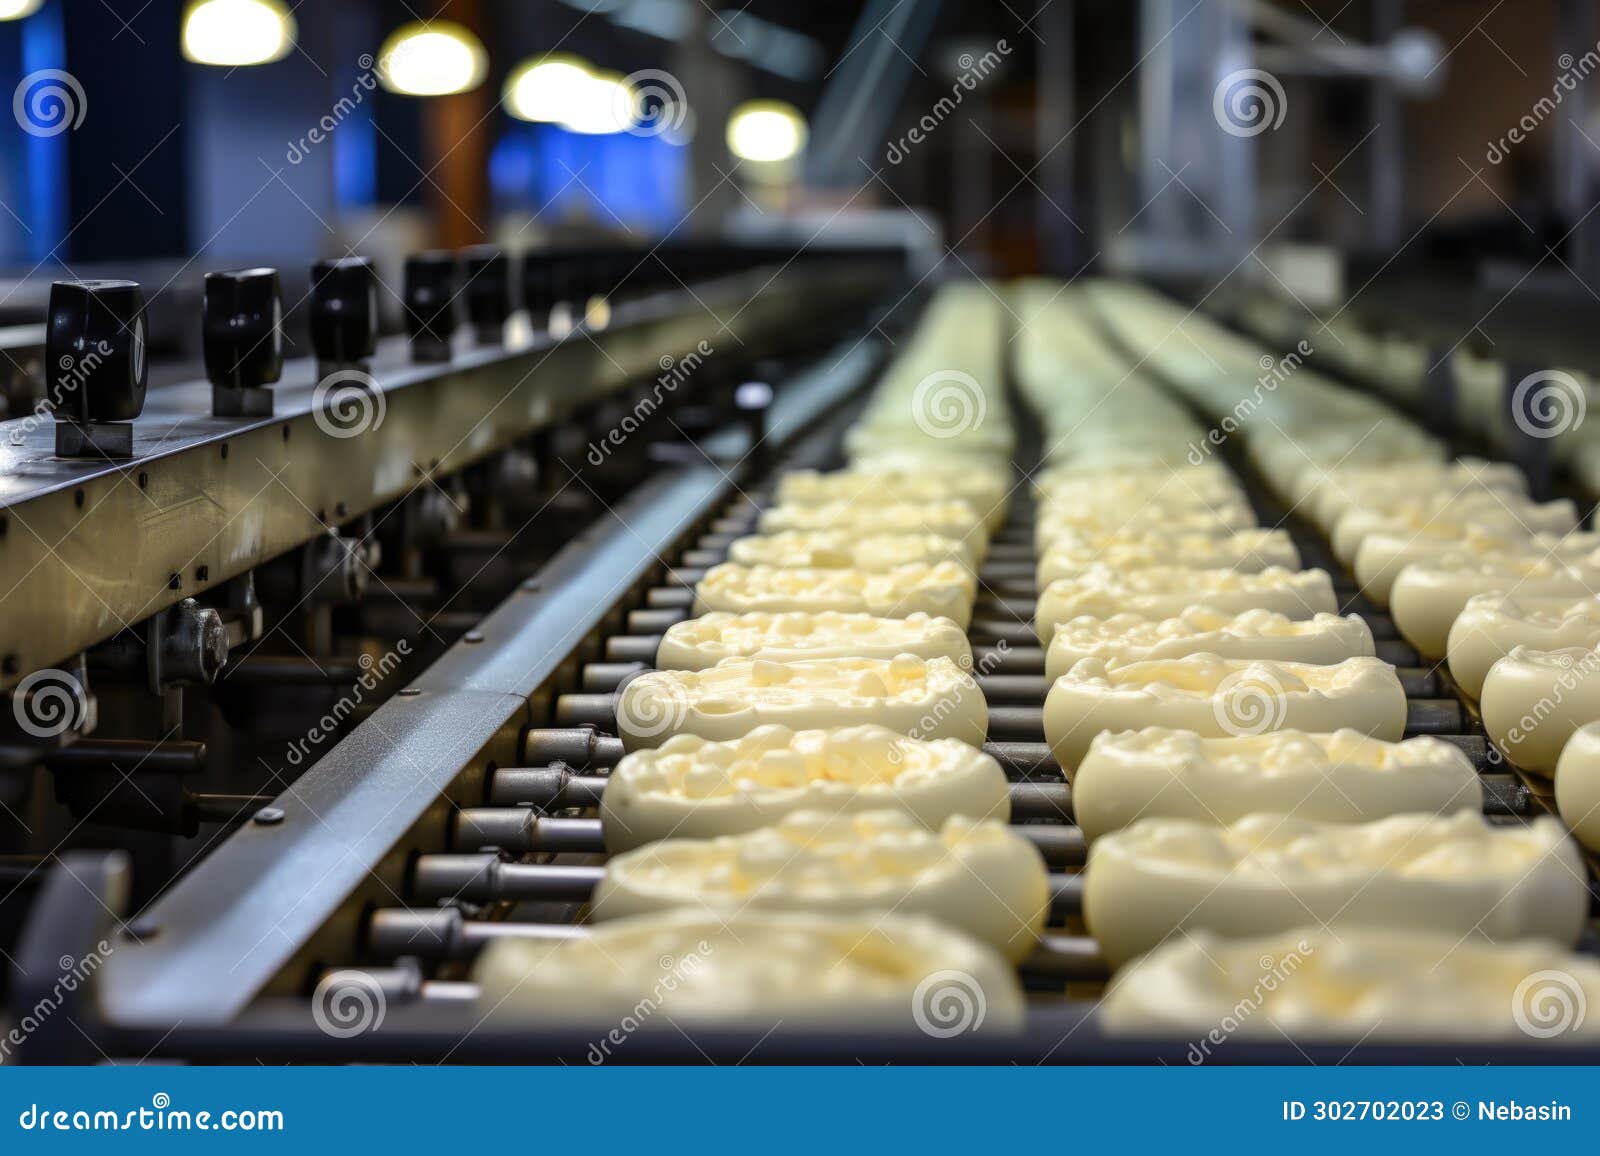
x: 447, y: 934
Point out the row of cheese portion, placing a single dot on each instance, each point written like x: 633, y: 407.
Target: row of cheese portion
x: 1400, y: 365
x: 1472, y: 569
x: 805, y: 809
x: 1258, y: 804
x: 1162, y: 602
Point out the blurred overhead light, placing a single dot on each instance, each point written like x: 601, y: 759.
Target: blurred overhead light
x: 17, y: 9
x: 565, y: 90
x: 605, y: 104
x: 433, y: 59
x: 231, y: 33
x: 546, y: 88
x: 766, y: 131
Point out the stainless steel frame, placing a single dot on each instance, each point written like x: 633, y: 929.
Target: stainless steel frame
x: 89, y: 548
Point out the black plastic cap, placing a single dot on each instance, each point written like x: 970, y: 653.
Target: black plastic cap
x: 487, y: 288
x: 432, y: 284
x: 344, y: 309
x: 242, y: 328
x: 539, y: 282
x: 95, y: 351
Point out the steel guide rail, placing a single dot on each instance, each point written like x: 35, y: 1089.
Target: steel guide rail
x: 277, y: 899
x: 500, y: 853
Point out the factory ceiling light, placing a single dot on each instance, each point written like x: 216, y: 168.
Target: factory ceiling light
x: 17, y: 9
x: 433, y: 59
x: 605, y: 105
x: 568, y: 91
x: 545, y: 89
x: 231, y: 33
x: 766, y: 131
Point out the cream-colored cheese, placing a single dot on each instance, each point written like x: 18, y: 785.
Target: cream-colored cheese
x: 925, y: 698
x: 1217, y: 697
x: 1578, y: 785
x: 978, y: 876
x: 1341, y: 776
x: 985, y: 492
x: 1148, y: 468
x: 1270, y: 873
x: 1533, y: 701
x: 1491, y: 513
x: 1248, y: 550
x: 1125, y: 638
x: 1177, y: 490
x: 841, y: 550
x: 940, y: 459
x: 1428, y: 597
x: 755, y: 970
x: 792, y: 637
x: 1490, y: 625
x: 1330, y: 494
x: 693, y: 788
x: 951, y: 518
x: 1355, y: 984
x: 1140, y: 519
x: 1381, y: 557
x: 1219, y: 521
x: 945, y: 589
x: 1167, y: 591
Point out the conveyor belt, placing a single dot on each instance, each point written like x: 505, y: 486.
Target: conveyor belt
x: 429, y: 860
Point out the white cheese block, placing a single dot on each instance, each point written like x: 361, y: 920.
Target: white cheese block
x: 1356, y: 984
x: 978, y: 876
x: 1428, y: 596
x: 1533, y: 701
x: 1167, y: 591
x: 1341, y: 776
x: 1219, y: 521
x: 1270, y: 873
x: 1152, y: 469
x: 693, y: 788
x: 924, y: 698
x: 1381, y: 557
x: 840, y: 550
x: 944, y: 589
x: 1578, y: 785
x: 985, y: 492
x: 1178, y: 490
x: 1125, y: 638
x: 951, y: 518
x: 705, y: 641
x: 1142, y: 521
x: 678, y: 970
x: 1490, y: 513
x: 1218, y: 697
x: 1490, y: 625
x: 1332, y: 493
x: 1248, y: 550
